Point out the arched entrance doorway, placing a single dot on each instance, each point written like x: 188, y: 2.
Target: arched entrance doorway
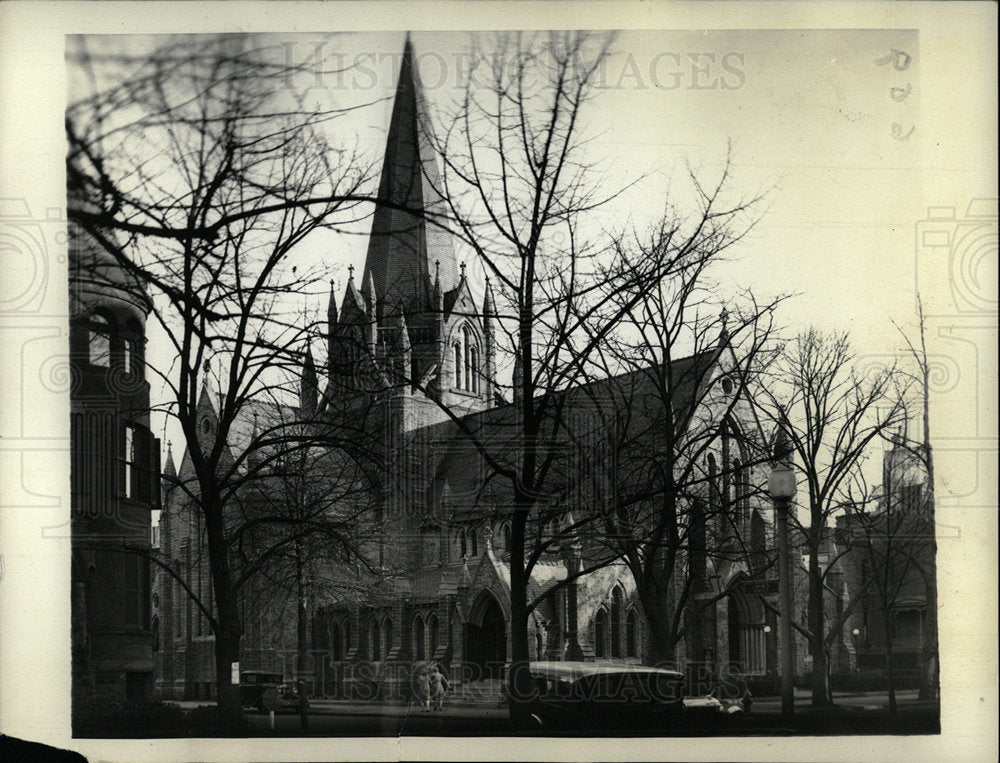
x: 747, y: 647
x: 486, y: 638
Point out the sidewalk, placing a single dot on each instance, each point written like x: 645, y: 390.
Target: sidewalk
x: 872, y: 700
x: 375, y: 709
x: 491, y: 709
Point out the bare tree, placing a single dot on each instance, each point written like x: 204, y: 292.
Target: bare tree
x: 888, y: 528
x: 193, y: 153
x: 833, y: 417
x: 516, y: 184
x: 520, y: 187
x: 304, y: 523
x: 930, y: 680
x: 679, y: 378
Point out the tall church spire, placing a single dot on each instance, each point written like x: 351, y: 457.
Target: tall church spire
x: 404, y: 245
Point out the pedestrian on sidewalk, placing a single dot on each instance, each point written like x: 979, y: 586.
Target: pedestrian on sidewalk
x: 422, y: 686
x: 439, y: 686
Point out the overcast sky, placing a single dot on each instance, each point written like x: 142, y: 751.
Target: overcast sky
x: 830, y: 125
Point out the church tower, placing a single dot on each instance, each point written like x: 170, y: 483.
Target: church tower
x: 412, y: 279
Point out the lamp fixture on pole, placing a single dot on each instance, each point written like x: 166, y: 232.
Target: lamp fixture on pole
x: 781, y: 487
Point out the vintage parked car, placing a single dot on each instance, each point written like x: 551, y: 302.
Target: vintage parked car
x: 289, y: 693
x: 254, y: 684
x: 712, y: 706
x: 590, y: 696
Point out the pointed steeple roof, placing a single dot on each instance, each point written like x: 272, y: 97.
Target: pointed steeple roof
x: 309, y: 365
x: 331, y: 309
x: 353, y: 309
x: 488, y: 306
x: 403, y: 246
x: 308, y: 393
x: 168, y: 468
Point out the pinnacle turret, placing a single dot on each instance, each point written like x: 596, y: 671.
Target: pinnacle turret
x: 371, y: 312
x: 169, y: 469
x: 309, y: 390
x: 489, y: 340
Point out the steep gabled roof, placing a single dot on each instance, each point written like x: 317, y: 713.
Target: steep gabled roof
x: 587, y: 412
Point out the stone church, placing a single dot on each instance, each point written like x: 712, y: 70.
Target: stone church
x: 440, y: 538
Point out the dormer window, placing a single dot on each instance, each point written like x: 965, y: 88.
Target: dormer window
x: 99, y: 341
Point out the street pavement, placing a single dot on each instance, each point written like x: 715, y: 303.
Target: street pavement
x: 853, y: 713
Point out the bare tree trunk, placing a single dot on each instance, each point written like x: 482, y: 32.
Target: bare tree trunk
x: 302, y: 646
x: 662, y: 647
x: 229, y: 629
x: 930, y: 679
x: 227, y: 651
x: 820, y: 680
x: 519, y: 678
x: 890, y: 672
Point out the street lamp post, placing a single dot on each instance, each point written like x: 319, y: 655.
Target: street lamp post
x: 781, y: 486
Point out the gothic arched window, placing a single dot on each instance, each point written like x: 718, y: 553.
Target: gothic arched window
x: 474, y: 368
x: 458, y: 365
x: 467, y: 348
x: 630, y: 634
x: 473, y: 541
x: 336, y: 643
x: 432, y: 627
x: 376, y: 638
x: 463, y: 547
x: 506, y: 537
x: 600, y: 628
x: 742, y: 484
x: 99, y: 341
x: 616, y: 622
x: 418, y: 638
x: 387, y: 636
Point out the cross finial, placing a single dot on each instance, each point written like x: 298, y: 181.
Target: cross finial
x: 724, y: 316
x: 463, y: 269
x: 350, y: 271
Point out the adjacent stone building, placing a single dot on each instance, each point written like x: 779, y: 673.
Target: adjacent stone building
x: 114, y: 476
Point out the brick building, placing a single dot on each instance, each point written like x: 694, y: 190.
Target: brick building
x: 114, y: 476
